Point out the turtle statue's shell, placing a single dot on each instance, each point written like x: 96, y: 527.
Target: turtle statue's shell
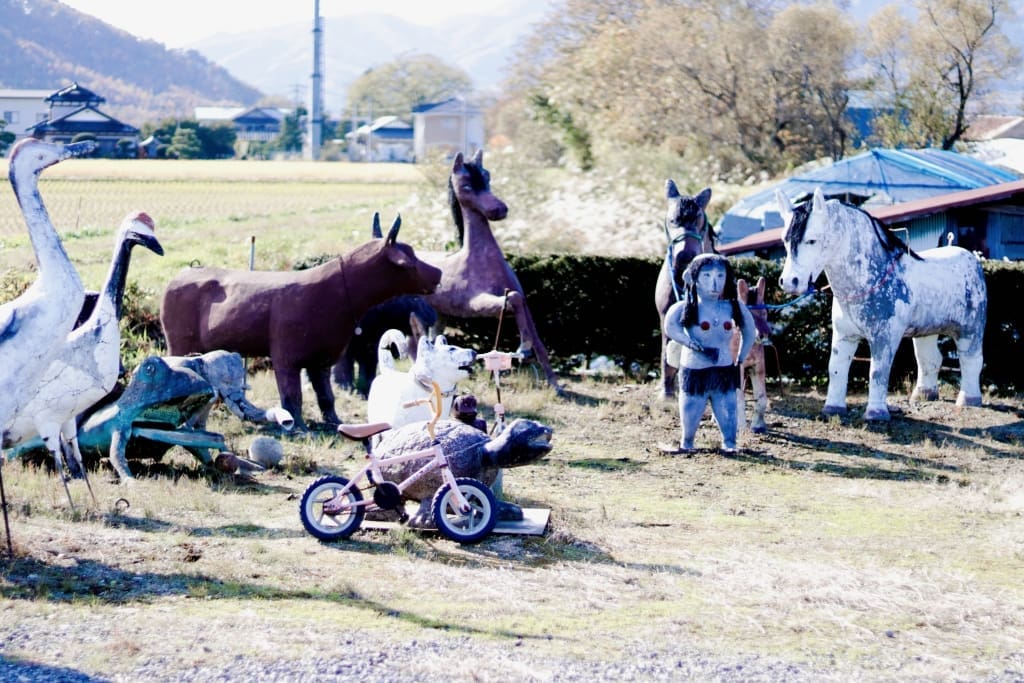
x: 462, y: 444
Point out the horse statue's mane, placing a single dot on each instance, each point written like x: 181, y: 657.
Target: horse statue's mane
x: 480, y: 180
x: 886, y: 237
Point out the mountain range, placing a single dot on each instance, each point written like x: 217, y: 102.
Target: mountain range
x: 279, y: 60
x: 46, y: 44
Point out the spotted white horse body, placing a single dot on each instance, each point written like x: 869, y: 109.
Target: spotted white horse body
x: 883, y: 292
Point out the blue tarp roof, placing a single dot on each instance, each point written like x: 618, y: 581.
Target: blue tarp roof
x: 875, y: 178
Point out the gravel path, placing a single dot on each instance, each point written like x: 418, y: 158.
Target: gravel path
x: 429, y: 661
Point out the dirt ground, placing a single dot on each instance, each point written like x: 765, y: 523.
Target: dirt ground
x: 837, y: 549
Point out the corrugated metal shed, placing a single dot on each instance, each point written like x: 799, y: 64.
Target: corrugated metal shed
x: 928, y: 221
x: 876, y: 178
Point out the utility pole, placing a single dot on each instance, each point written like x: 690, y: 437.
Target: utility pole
x: 316, y: 117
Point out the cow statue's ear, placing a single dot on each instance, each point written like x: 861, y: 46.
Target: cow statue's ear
x: 457, y: 163
x: 393, y: 233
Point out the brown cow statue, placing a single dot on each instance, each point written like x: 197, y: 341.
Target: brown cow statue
x: 301, y: 319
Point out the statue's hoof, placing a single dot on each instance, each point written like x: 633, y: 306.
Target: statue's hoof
x: 829, y: 411
x: 876, y: 415
x: 421, y: 522
x: 920, y: 394
x: 509, y: 512
x: 971, y: 401
x: 670, y: 449
x: 760, y: 429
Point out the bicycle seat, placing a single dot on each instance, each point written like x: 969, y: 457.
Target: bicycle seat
x: 359, y: 432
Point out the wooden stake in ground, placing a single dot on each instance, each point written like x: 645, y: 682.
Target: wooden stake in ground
x: 3, y: 504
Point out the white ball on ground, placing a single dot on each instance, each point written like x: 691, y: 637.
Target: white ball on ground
x: 266, y: 451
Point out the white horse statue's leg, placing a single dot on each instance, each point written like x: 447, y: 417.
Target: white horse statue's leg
x: 883, y: 351
x: 843, y: 347
x: 878, y: 384
x: 969, y: 350
x: 929, y: 360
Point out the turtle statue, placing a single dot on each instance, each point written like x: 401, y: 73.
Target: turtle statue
x: 471, y: 453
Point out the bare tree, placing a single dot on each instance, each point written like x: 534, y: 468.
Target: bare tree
x: 739, y: 81
x: 411, y: 79
x: 934, y: 66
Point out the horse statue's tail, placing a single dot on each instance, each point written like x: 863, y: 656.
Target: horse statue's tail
x: 385, y: 357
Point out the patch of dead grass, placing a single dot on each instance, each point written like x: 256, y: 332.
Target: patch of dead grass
x: 866, y: 550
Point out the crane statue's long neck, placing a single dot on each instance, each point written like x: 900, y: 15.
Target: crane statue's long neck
x: 54, y: 264
x: 117, y: 278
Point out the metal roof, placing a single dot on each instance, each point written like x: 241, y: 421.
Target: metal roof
x: 766, y: 239
x: 878, y: 177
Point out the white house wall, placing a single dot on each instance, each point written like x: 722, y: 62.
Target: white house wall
x: 447, y: 133
x: 23, y: 109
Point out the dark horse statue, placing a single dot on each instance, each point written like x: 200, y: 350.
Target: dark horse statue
x: 689, y: 234
x: 476, y: 280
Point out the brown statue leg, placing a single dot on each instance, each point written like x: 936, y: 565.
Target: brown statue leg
x: 529, y: 339
x: 320, y: 378
x: 668, y: 372
x: 289, y: 387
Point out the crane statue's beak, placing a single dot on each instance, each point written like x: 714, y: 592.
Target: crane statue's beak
x: 78, y: 149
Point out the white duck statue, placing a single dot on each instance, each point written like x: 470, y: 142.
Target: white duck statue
x: 33, y: 326
x: 87, y: 366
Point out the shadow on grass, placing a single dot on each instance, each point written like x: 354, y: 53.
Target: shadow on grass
x: 580, y: 399
x: 849, y: 471
x: 151, y: 525
x: 606, y: 464
x: 18, y: 669
x: 30, y: 579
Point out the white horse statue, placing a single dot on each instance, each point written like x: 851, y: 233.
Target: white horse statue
x: 884, y: 291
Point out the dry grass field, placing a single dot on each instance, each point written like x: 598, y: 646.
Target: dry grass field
x: 826, y: 550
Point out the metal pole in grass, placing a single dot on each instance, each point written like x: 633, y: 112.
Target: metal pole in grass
x: 252, y: 266
x: 3, y: 504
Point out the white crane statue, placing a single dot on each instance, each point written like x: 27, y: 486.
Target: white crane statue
x: 33, y: 326
x: 86, y: 368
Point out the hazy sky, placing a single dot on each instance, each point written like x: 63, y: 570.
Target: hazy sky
x: 181, y: 22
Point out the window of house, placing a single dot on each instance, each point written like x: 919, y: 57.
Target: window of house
x: 12, y: 116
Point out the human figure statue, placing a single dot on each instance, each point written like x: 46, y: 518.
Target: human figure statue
x: 464, y: 410
x: 703, y: 323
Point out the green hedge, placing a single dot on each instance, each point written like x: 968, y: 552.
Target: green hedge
x: 588, y: 306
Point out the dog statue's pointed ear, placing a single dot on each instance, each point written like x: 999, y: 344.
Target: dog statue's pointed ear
x: 422, y: 346
x: 418, y: 331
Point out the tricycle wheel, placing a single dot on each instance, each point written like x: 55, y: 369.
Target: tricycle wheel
x: 331, y: 527
x: 466, y: 526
